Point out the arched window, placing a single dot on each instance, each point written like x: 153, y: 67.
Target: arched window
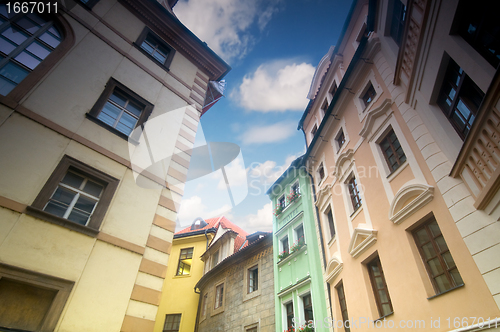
x: 25, y: 41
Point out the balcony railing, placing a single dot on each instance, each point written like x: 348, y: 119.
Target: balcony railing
x: 479, y: 159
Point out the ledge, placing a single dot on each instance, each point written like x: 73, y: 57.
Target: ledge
x: 289, y: 257
x: 37, y: 213
x: 449, y: 290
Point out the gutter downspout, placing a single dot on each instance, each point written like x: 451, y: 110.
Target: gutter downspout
x: 207, y: 242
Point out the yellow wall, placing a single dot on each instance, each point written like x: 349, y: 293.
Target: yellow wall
x: 178, y: 296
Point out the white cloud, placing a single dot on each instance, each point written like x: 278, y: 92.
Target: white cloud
x: 262, y: 221
x: 276, y: 86
x: 268, y: 172
x: 236, y: 174
x: 268, y: 134
x: 225, y: 24
x: 193, y: 207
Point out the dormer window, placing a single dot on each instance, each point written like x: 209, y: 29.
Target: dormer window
x: 215, y: 258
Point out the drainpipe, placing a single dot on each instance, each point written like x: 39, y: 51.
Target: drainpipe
x: 317, y: 217
x: 207, y: 240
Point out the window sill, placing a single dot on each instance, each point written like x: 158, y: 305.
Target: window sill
x: 252, y: 295
x: 37, y: 213
x: 383, y: 317
x: 332, y: 241
x: 398, y: 170
x: 111, y: 129
x: 183, y: 276
x: 445, y: 292
x: 289, y: 257
x: 356, y: 212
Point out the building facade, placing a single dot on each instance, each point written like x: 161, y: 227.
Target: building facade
x: 298, y: 274
x: 402, y: 145
x: 86, y: 218
x: 237, y: 294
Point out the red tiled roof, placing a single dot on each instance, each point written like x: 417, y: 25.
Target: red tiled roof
x: 224, y: 223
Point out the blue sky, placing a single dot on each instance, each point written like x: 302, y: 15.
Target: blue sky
x: 273, y: 47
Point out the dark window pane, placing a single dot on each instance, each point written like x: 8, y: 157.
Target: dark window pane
x: 39, y: 50
x: 56, y: 208
x: 28, y: 25
x: 13, y: 72
x: 73, y: 180
x: 85, y: 204
x: 50, y: 39
x: 28, y: 60
x: 79, y: 217
x: 6, y: 46
x: 93, y: 188
x: 6, y: 86
x: 15, y: 35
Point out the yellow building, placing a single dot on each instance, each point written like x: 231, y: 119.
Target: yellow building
x: 195, y: 251
x: 86, y: 219
x: 402, y: 144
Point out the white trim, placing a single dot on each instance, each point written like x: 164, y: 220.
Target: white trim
x: 371, y: 238
x: 320, y: 72
x: 399, y: 212
x: 334, y: 273
x: 336, y: 149
x: 362, y: 110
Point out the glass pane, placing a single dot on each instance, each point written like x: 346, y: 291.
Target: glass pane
x: 422, y: 236
x: 109, y: 114
x: 55, y: 32
x: 28, y: 60
x: 63, y: 195
x: 428, y: 250
x: 160, y: 57
x: 37, y: 19
x: 6, y: 46
x: 148, y: 48
x: 56, y: 209
x: 13, y: 72
x: 433, y: 226
x: 386, y: 309
x: 6, y: 86
x: 463, y: 109
x: 379, y: 282
x: 435, y: 266
x: 73, y: 180
x: 456, y: 277
x: 39, y: 50
x: 15, y: 35
x: 441, y: 243
x: 442, y: 283
x: 126, y: 124
x: 383, y: 296
x: 134, y: 109
x: 28, y: 25
x: 50, y: 39
x: 85, y: 204
x: 3, y: 11
x: 448, y: 260
x: 79, y: 217
x: 93, y: 188
x: 118, y: 99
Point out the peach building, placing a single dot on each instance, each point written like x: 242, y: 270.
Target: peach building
x: 402, y: 141
x: 86, y: 217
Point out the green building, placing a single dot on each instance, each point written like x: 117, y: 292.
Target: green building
x: 298, y: 275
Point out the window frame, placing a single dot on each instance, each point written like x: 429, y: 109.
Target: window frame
x: 343, y: 308
x: 365, y: 95
x: 171, y: 51
x: 354, y: 192
x: 63, y: 288
x: 204, y: 307
x: 111, y: 86
x: 310, y: 306
x: 254, y: 270
x: 165, y: 322
x: 446, y: 271
x: 220, y: 308
x: 321, y: 172
x: 215, y: 258
x: 340, y: 143
x: 449, y: 111
x: 289, y: 315
x: 282, y: 244
x: 93, y: 225
x: 295, y: 188
x: 180, y: 261
x: 400, y: 22
x: 398, y: 161
x: 297, y: 235
x: 36, y: 75
x: 282, y: 202
x: 376, y: 262
x: 331, y: 222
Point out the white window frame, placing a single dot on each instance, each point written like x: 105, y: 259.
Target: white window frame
x: 358, y: 102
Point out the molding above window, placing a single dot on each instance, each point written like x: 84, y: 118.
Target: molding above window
x: 372, y: 116
x: 361, y: 240
x: 400, y: 209
x: 333, y: 269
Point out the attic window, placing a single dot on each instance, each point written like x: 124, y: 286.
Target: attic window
x: 198, y: 223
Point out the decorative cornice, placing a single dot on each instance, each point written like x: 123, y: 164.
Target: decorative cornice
x: 334, y: 268
x: 370, y: 239
x: 346, y: 155
x: 373, y: 115
x: 398, y: 211
x: 320, y: 72
x: 323, y: 194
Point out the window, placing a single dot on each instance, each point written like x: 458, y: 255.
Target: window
x: 437, y: 257
x: 333, y: 89
x: 76, y: 196
x: 284, y: 244
x: 120, y: 110
x: 252, y: 329
x: 308, y: 309
x: 313, y: 131
x: 398, y: 18
x: 343, y: 307
x: 253, y: 279
x: 369, y: 95
x: 289, y: 314
x: 321, y: 172
x: 155, y: 48
x: 379, y: 285
x: 331, y: 225
x: 219, y: 296
x: 185, y: 262
x: 340, y: 139
x: 172, y: 323
x: 204, y: 306
x: 352, y: 185
x: 295, y: 188
x: 393, y: 152
x: 324, y: 108
x: 459, y: 99
x: 215, y: 258
x: 479, y: 26
x: 299, y: 233
x: 31, y: 301
x: 25, y: 41
x: 281, y: 202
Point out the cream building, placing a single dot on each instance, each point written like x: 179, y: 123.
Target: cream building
x: 87, y: 199
x: 402, y: 142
